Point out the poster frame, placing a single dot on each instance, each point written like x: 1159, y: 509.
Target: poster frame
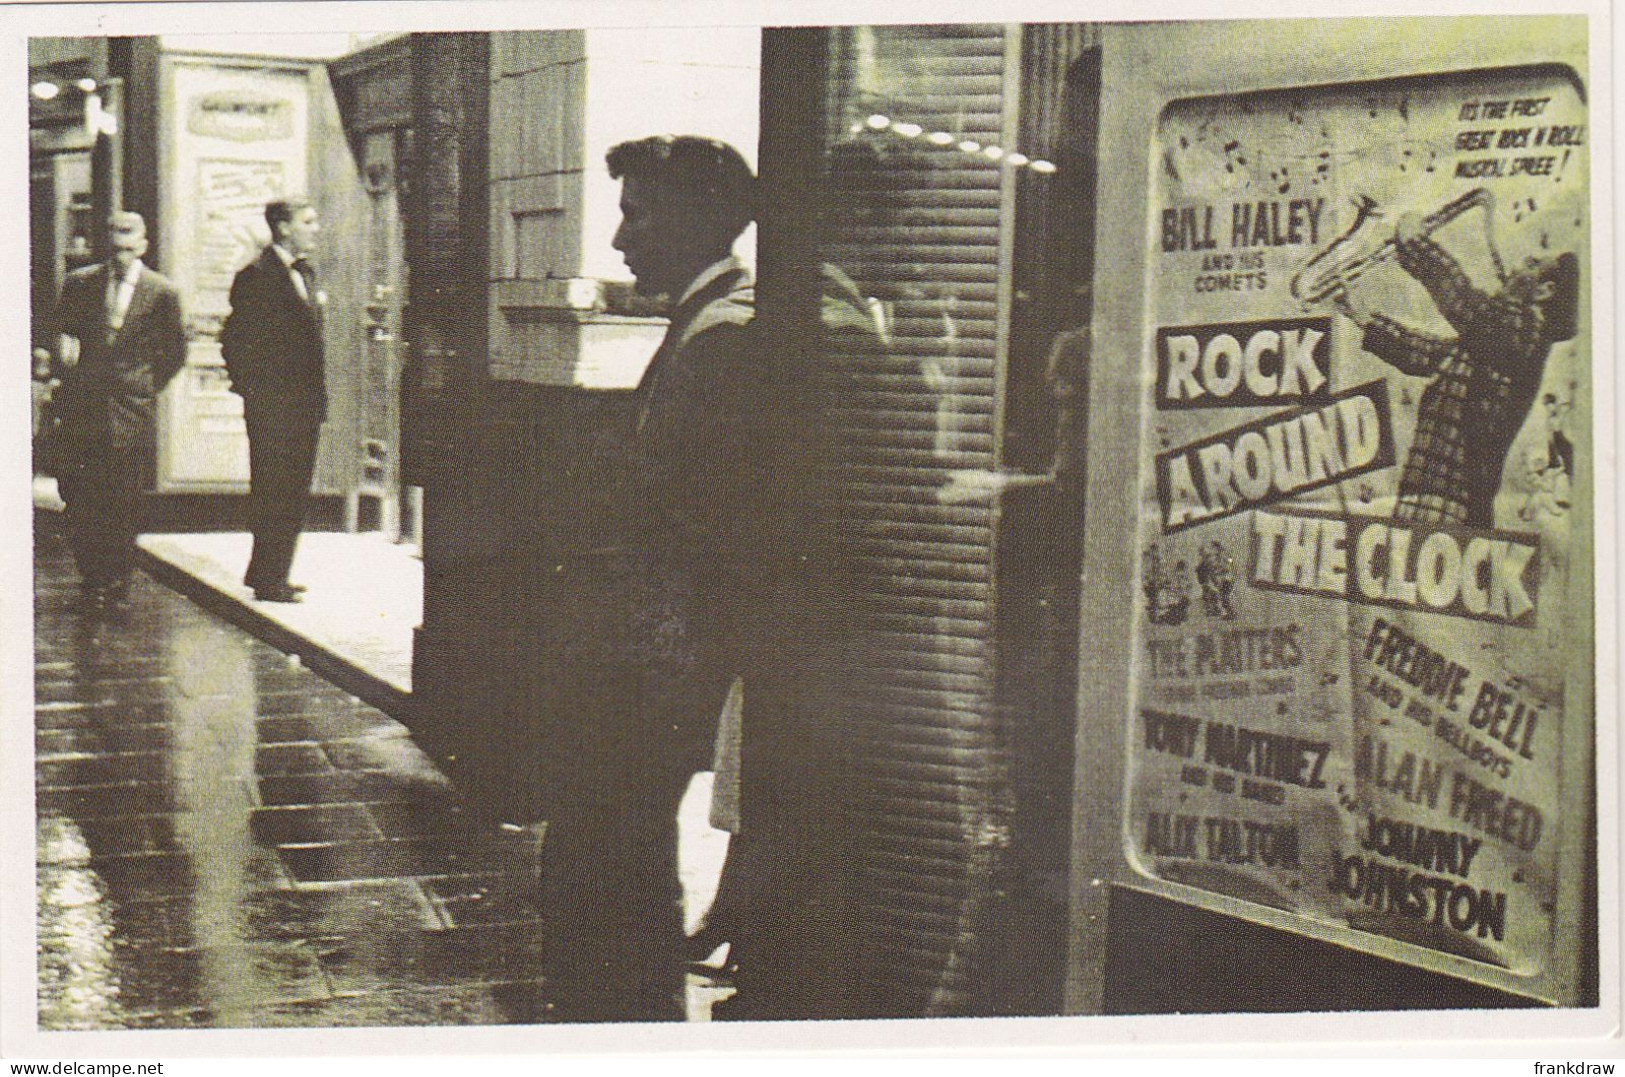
x: 1261, y: 56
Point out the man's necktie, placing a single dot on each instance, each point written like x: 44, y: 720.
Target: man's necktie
x: 307, y: 273
x: 117, y: 303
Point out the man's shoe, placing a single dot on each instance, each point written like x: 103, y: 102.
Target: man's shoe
x: 279, y: 593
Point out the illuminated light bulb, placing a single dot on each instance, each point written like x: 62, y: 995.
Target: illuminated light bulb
x: 87, y: 85
x: 1017, y: 159
x: 1046, y: 167
x: 971, y: 146
x: 940, y: 138
x: 878, y: 122
x: 908, y: 130
x: 45, y: 90
x: 993, y: 153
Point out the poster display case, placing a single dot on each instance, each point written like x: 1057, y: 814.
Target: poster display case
x: 1359, y: 701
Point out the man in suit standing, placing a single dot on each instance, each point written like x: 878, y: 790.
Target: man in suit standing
x: 640, y: 620
x: 120, y: 339
x: 272, y: 345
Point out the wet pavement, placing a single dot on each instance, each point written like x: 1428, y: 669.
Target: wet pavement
x: 365, y: 598
x: 224, y: 839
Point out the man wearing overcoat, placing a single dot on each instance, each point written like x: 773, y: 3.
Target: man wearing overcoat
x: 121, y: 338
x: 272, y: 345
x: 641, y: 633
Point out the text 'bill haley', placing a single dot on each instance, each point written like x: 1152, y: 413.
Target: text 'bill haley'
x: 1276, y: 457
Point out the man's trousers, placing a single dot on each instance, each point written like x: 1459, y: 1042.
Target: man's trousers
x: 281, y: 460
x: 610, y: 893
x: 102, y: 494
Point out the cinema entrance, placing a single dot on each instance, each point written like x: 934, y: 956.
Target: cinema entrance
x: 1097, y: 749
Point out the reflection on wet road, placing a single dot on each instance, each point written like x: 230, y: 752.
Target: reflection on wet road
x: 226, y: 840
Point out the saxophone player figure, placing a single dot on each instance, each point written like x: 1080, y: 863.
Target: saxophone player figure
x: 1484, y: 379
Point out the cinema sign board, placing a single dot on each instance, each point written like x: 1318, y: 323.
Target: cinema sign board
x: 1360, y: 703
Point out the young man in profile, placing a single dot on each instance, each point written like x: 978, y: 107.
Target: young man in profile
x: 641, y: 621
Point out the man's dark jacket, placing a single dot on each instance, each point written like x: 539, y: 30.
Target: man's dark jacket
x: 675, y: 539
x: 111, y: 391
x: 635, y: 612
x: 272, y: 345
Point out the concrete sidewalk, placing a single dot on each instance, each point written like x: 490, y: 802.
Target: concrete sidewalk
x: 355, y: 624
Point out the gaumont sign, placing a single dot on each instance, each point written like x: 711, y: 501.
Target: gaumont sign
x: 240, y: 116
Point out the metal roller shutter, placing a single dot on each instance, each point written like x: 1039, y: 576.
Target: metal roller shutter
x: 920, y: 238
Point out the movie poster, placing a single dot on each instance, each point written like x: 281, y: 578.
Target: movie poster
x: 1358, y: 463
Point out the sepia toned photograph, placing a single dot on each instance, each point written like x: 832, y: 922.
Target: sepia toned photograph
x: 659, y: 518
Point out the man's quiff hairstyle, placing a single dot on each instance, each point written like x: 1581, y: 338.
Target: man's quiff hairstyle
x: 707, y: 173
x: 284, y: 210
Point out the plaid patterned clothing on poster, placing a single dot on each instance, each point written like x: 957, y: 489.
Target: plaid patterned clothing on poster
x: 1484, y: 382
